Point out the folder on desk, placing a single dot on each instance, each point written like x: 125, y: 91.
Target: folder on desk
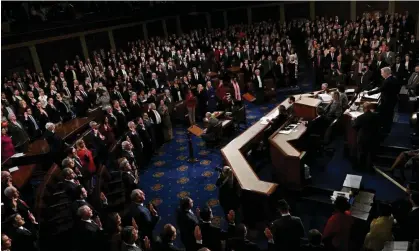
x: 249, y: 97
x: 196, y: 130
x: 352, y: 181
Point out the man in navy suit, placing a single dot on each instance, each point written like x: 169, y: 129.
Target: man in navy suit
x: 145, y: 217
x: 187, y: 221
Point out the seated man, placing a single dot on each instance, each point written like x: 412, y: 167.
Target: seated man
x: 334, y: 109
x: 209, y: 131
x: 319, y: 125
x: 406, y: 159
x: 279, y: 120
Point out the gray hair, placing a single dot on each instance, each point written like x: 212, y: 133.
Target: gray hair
x: 67, y: 171
x: 386, y: 70
x: 134, y: 193
x: 65, y: 162
x: 92, y: 124
x: 82, y: 210
x: 152, y: 106
x: 8, y: 192
x: 49, y: 126
x: 124, y: 144
x: 131, y: 123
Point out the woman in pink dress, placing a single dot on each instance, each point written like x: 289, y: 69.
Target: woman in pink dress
x: 7, y: 148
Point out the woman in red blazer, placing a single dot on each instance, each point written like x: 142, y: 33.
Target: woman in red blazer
x: 337, y: 231
x: 7, y: 148
x: 191, y: 105
x: 86, y: 157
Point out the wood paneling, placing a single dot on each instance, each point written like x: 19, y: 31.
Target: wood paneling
x: 16, y: 60
x: 297, y: 10
x: 193, y: 22
x: 332, y: 9
x: 98, y: 41
x: 217, y: 19
x: 129, y: 34
x: 67, y: 48
x: 265, y: 13
x: 155, y: 29
x: 237, y: 16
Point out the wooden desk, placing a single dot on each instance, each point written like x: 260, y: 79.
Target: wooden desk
x: 305, y: 105
x: 286, y: 159
x: 22, y: 176
x: 232, y: 153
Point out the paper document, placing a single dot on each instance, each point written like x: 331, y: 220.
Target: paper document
x: 13, y: 169
x: 285, y: 131
x: 361, y: 207
x: 349, y: 90
x: 365, y: 198
x: 373, y: 96
x: 264, y: 120
x: 325, y: 97
x: 359, y: 214
x: 352, y: 181
x: 355, y: 114
x: 396, y: 246
x: 339, y: 193
x: 17, y: 155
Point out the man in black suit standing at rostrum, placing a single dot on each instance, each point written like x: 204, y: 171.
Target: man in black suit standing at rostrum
x: 367, y: 125
x: 389, y: 91
x: 287, y: 230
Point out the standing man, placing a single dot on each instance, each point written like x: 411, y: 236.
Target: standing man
x: 367, y: 125
x: 258, y: 87
x: 389, y: 91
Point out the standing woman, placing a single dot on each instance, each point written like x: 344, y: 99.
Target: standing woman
x: 167, y: 124
x: 7, y: 148
x: 86, y: 157
x: 106, y: 130
x: 191, y: 106
x: 202, y: 101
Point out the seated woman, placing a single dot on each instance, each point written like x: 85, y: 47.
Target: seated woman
x: 406, y: 159
x: 380, y: 229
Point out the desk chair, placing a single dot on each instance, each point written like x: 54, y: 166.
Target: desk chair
x: 216, y: 140
x: 239, y: 118
x: 324, y: 138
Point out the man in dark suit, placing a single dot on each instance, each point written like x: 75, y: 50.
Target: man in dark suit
x: 314, y: 241
x: 187, y: 221
x: 56, y: 144
x: 23, y: 238
x: 129, y: 236
x: 240, y: 241
x: 145, y: 217
x: 167, y: 238
x: 212, y: 235
x: 258, y: 87
x: 31, y: 125
x: 377, y: 66
x: 279, y: 120
x: 70, y: 183
x: 18, y: 134
x: 136, y: 141
x: 287, y: 230
x: 367, y: 125
x: 89, y: 231
x: 366, y: 79
x: 389, y: 93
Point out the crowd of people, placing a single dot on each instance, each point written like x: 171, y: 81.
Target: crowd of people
x: 137, y: 88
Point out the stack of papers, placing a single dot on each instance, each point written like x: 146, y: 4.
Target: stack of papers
x: 355, y: 114
x: 396, y: 246
x: 365, y: 198
x: 339, y: 193
x: 325, y: 97
x: 349, y: 90
x: 359, y: 214
x: 285, y: 131
x: 374, y: 96
x: 352, y: 181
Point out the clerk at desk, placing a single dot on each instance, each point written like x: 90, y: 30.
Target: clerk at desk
x: 389, y: 91
x: 280, y: 119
